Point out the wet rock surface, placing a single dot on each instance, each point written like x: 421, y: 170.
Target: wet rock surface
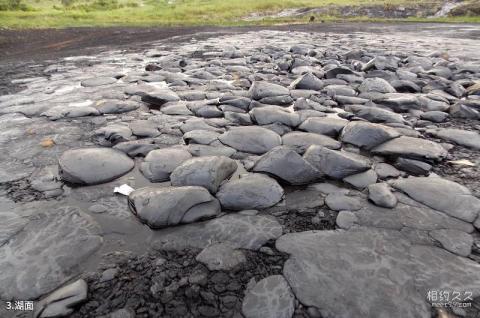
x: 274, y: 174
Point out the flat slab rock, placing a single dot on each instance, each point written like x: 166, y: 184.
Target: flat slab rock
x: 461, y: 137
x: 242, y: 231
x: 269, y: 298
x: 441, y: 194
x: 33, y: 261
x: 330, y: 265
x: 93, y: 165
x: 411, y: 147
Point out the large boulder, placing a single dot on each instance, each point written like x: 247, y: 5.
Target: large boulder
x: 411, y: 147
x: 399, y: 102
x: 208, y: 172
x: 287, y: 165
x: 93, y: 165
x: 163, y: 207
x: 442, y: 195
x: 336, y: 164
x: 252, y: 191
x: 269, y: 298
x: 255, y: 140
x: 367, y: 135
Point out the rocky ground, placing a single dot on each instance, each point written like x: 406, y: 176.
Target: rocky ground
x: 275, y: 174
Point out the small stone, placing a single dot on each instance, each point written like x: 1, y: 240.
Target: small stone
x: 381, y: 195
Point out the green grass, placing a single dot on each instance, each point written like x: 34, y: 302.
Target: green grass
x: 52, y: 13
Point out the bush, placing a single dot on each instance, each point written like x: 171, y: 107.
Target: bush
x: 13, y: 5
x: 468, y: 9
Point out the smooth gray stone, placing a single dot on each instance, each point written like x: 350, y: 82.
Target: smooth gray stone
x: 169, y: 206
x: 159, y: 97
x: 361, y: 180
x: 61, y: 301
x: 93, y: 165
x: 116, y: 106
x: 384, y: 171
x: 454, y: 241
x: 33, y: 261
x: 251, y: 191
x: 405, y: 86
x: 336, y: 164
x: 160, y: 163
x: 350, y: 100
x: 381, y: 195
x: 197, y: 124
x: 300, y: 141
x: 342, y: 90
x: 399, y: 102
x: 342, y: 202
x: 208, y: 172
x: 375, y: 114
x: 459, y: 110
x: 304, y: 200
x: 367, y: 135
x: 175, y: 108
x: 221, y: 256
x: 242, y: 231
x: 136, y: 147
x: 284, y: 100
x: 208, y: 111
x: 114, y: 133
x: 435, y: 116
x: 346, y: 220
x: 442, y: 195
x: 274, y: 114
x: 287, y: 165
x: 210, y: 150
x: 256, y: 140
x: 238, y: 118
x: 98, y: 81
x: 332, y: 73
x: 308, y: 81
x: 376, y: 84
x: 410, y: 147
x: 204, y: 137
x: 324, y: 125
x: 271, y: 297
x: 470, y: 139
x: 413, y: 167
x: 262, y: 89
x: 59, y: 112
x: 144, y: 128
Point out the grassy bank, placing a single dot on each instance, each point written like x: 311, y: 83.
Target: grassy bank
x: 75, y: 13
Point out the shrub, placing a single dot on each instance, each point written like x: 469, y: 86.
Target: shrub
x: 13, y: 5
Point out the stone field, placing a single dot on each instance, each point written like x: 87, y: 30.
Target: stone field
x: 275, y: 174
